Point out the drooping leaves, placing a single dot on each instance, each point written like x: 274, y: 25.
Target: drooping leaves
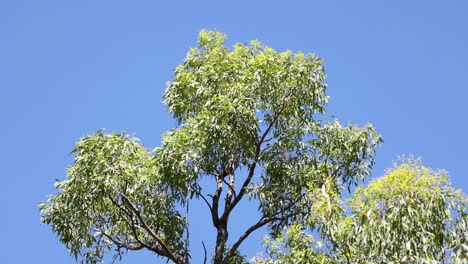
x: 411, y: 215
x: 112, y: 175
x: 256, y: 106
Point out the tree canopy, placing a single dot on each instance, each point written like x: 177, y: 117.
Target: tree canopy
x: 410, y: 215
x: 252, y: 121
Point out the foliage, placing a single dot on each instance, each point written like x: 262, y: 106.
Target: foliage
x: 411, y: 215
x: 111, y: 185
x: 250, y: 118
x: 295, y: 245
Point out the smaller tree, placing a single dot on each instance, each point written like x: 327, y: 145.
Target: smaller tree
x: 411, y: 215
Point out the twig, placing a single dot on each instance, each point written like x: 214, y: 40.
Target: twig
x: 204, y: 249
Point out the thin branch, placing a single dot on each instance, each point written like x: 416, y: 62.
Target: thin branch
x: 123, y: 245
x: 230, y: 187
x: 119, y: 206
x: 262, y: 222
x: 335, y: 172
x: 130, y: 224
x: 133, y: 225
x: 230, y: 193
x: 137, y: 237
x: 187, y: 237
x: 173, y: 256
x: 252, y: 167
x: 231, y: 205
x: 204, y: 199
x: 204, y: 249
x: 291, y: 205
x: 198, y: 193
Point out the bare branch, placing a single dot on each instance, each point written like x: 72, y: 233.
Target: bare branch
x: 204, y: 249
x: 187, y: 237
x: 262, y: 222
x: 230, y: 193
x: 231, y: 188
x: 278, y: 216
x: 204, y: 199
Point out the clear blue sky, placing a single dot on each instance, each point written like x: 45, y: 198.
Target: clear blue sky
x: 68, y: 68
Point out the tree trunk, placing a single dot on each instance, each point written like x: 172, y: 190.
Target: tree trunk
x: 221, y: 239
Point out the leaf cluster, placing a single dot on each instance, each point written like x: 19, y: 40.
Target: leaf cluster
x: 410, y: 215
x: 112, y: 182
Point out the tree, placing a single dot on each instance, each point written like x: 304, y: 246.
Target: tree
x: 250, y: 119
x: 410, y: 215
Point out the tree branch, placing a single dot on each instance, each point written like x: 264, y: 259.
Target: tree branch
x: 231, y: 192
x: 263, y: 221
x: 204, y: 199
x: 119, y: 206
x: 187, y: 237
x: 252, y: 167
x: 171, y: 255
x: 291, y: 205
x: 231, y: 188
x: 215, y: 198
x: 204, y: 249
x: 133, y: 226
x: 123, y: 245
x: 335, y: 172
x: 231, y: 205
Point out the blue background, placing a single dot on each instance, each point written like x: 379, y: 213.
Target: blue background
x: 68, y: 68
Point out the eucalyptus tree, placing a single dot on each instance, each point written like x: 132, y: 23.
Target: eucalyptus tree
x: 251, y: 120
x: 410, y: 215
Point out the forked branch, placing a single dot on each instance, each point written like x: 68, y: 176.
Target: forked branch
x: 165, y: 252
